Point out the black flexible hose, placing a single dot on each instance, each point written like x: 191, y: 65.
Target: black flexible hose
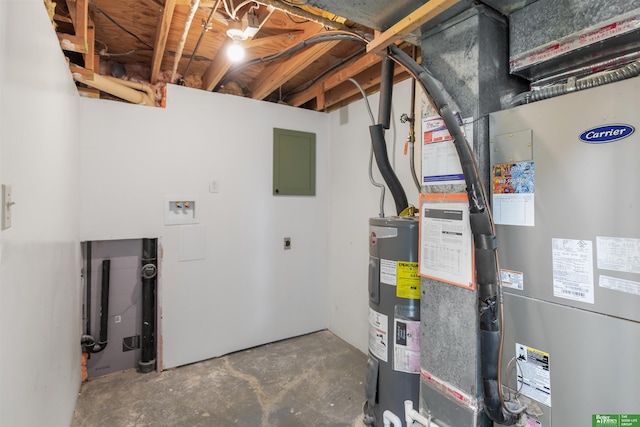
x: 482, y: 228
x: 382, y: 160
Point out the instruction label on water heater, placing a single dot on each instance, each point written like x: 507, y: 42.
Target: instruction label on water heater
x: 378, y: 333
x: 388, y: 272
x: 406, y: 346
x: 534, y: 375
x: 408, y: 280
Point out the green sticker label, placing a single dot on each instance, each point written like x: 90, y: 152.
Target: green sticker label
x: 615, y: 420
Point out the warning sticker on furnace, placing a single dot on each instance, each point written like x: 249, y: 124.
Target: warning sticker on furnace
x: 408, y: 280
x: 534, y: 375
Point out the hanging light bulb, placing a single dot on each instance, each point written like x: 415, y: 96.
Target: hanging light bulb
x: 235, y: 51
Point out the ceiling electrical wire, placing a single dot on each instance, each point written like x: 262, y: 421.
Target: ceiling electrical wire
x: 205, y: 28
x: 230, y: 11
x: 114, y: 22
x: 314, y: 80
x: 244, y: 3
x: 318, y: 38
x: 296, y: 22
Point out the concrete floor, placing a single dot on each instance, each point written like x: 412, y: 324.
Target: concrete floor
x: 312, y: 380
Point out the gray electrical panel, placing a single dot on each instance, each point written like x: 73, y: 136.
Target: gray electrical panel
x: 565, y: 187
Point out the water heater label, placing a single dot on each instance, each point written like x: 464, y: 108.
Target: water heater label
x: 388, y: 272
x: 534, y: 374
x: 378, y: 333
x: 408, y: 280
x: 406, y: 346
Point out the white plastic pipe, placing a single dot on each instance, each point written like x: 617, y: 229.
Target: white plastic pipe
x: 389, y: 418
x: 412, y: 415
x: 136, y: 93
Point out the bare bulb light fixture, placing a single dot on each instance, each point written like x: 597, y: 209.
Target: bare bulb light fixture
x: 235, y: 51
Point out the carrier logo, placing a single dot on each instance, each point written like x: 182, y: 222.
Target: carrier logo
x: 607, y: 133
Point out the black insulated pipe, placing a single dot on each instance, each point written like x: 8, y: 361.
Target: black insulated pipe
x: 489, y: 297
x: 104, y: 304
x: 88, y: 290
x: 386, y: 93
x: 382, y: 160
x: 148, y: 271
x: 88, y: 341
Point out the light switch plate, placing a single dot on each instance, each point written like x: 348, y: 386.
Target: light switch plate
x: 7, y: 202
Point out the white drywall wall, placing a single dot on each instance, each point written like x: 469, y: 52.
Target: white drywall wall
x: 40, y: 288
x: 248, y: 290
x: 353, y: 200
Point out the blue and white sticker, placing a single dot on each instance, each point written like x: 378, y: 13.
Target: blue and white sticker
x: 608, y: 133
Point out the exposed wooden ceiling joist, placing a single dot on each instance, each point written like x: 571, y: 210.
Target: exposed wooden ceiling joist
x: 193, y: 8
x: 411, y: 22
x: 334, y: 79
x: 369, y: 89
x: 277, y: 74
x: 162, y: 34
x: 368, y: 78
x: 144, y: 37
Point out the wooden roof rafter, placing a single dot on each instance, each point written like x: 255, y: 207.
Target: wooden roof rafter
x: 162, y: 34
x: 409, y: 23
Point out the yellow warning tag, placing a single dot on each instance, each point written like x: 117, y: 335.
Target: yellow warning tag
x: 407, y: 280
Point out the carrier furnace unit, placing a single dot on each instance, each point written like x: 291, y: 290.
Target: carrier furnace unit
x: 565, y: 184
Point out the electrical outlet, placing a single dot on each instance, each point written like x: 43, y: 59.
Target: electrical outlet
x: 287, y: 243
x: 117, y: 319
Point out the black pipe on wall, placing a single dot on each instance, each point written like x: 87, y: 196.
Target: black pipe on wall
x: 148, y: 271
x: 104, y: 304
x: 88, y: 290
x: 386, y: 93
x: 87, y: 341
